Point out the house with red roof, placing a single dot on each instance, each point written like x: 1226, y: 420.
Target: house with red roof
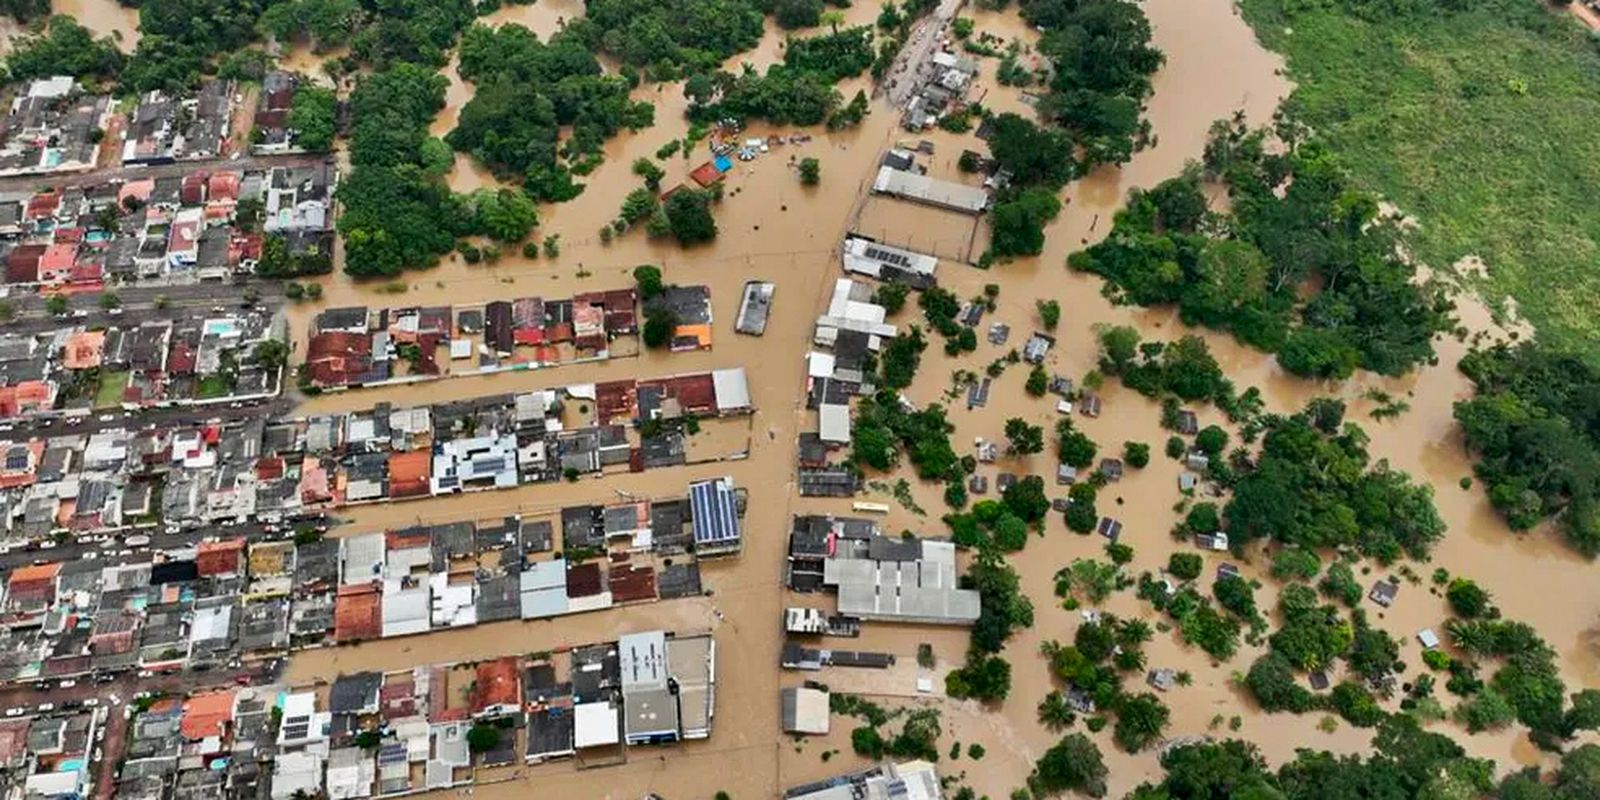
x: 32, y: 587
x: 495, y: 687
x: 27, y: 397
x: 207, y: 714
x: 226, y: 557
x: 55, y: 266
x: 22, y: 263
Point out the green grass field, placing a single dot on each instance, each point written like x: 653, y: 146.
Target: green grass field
x: 1483, y: 125
x: 109, y: 393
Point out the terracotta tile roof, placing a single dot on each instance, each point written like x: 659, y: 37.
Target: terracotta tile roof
x: 207, y: 714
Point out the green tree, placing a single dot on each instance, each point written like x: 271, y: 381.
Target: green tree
x: 1025, y: 439
x: 1468, y: 599
x: 810, y: 171
x: 56, y: 305
x: 1137, y: 454
x: 314, y: 117
x: 659, y: 324
x: 271, y: 354
x: 63, y: 48
x: 1017, y: 223
x: 1049, y: 313
x: 1072, y: 446
x: 1140, y: 720
x: 505, y: 215
x: 647, y: 277
x: 1185, y: 566
x: 688, y: 214
x: 1073, y: 764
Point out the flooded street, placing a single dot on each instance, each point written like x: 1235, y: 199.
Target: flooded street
x: 773, y: 228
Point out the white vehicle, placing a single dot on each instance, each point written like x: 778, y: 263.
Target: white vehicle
x: 91, y: 703
x: 66, y: 684
x: 14, y: 712
x: 43, y: 707
x: 139, y: 540
x: 115, y: 312
x: 144, y: 673
x: 106, y: 417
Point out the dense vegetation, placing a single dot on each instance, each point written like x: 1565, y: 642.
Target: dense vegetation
x: 183, y: 39
x: 179, y: 38
x: 1040, y: 162
x: 64, y: 48
x: 1449, y: 111
x: 526, y: 91
x: 24, y: 10
x: 314, y: 118
x: 1535, y: 426
x: 1406, y: 762
x: 398, y: 214
x: 799, y: 91
x: 1296, y: 219
x: 1103, y: 60
x: 669, y: 37
x: 1313, y: 487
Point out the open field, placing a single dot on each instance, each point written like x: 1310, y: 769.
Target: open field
x: 1480, y: 124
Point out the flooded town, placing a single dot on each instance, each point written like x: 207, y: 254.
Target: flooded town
x: 724, y: 399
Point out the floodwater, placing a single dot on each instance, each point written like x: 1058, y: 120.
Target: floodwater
x: 104, y: 18
x: 774, y: 229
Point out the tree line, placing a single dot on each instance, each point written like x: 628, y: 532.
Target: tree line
x: 1296, y: 222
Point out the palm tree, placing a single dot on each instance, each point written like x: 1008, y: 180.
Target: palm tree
x: 1054, y: 713
x: 833, y: 19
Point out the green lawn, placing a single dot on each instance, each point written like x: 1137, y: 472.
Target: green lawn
x: 109, y: 393
x: 213, y: 386
x: 1484, y: 125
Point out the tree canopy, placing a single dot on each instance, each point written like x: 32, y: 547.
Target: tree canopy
x: 396, y: 215
x: 1295, y: 218
x: 1534, y: 424
x: 526, y: 91
x: 64, y: 48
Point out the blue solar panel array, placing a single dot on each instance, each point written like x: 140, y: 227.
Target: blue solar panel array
x: 713, y: 509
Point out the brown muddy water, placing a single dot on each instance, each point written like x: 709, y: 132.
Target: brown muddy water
x: 103, y: 18
x: 773, y: 228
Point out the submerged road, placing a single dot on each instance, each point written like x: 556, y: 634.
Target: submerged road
x: 912, y: 62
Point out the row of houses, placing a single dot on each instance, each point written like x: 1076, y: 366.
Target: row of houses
x: 187, y: 474
x: 427, y: 728
x: 849, y: 336
x: 164, y: 128
x: 74, y: 370
x: 54, y: 126
x: 223, y: 600
x: 170, y: 228
x: 356, y: 346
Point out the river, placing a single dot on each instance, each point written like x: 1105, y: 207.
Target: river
x: 771, y: 227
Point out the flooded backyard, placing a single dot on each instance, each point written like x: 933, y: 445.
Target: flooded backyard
x: 773, y: 228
